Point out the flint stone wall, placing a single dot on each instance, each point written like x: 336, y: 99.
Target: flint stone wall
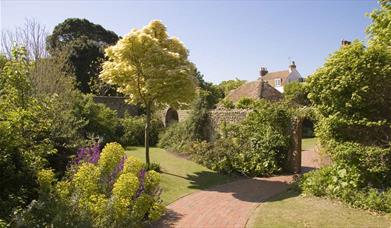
x: 218, y: 116
x: 118, y: 104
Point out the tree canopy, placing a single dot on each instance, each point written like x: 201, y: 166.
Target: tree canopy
x: 229, y: 85
x: 74, y: 28
x: 296, y: 92
x: 352, y: 93
x: 83, y: 43
x: 152, y: 69
x: 380, y: 28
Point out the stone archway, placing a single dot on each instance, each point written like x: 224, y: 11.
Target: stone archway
x: 171, y: 117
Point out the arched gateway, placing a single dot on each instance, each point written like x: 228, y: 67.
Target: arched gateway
x: 171, y: 117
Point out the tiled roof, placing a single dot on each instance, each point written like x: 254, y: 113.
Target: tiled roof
x: 256, y: 90
x: 277, y: 74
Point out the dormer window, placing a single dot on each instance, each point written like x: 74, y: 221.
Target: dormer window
x: 277, y: 82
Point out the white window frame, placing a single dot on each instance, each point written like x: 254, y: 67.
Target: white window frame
x: 277, y: 82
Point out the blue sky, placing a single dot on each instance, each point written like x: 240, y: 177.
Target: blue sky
x: 226, y: 39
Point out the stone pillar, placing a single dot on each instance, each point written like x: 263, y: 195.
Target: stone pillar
x: 294, y: 154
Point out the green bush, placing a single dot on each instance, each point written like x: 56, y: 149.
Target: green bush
x: 296, y: 93
x: 350, y: 95
x: 227, y: 104
x: 216, y: 156
x: 178, y: 136
x: 101, y: 121
x: 113, y: 191
x: 245, y: 103
x: 153, y: 166
x: 347, y: 184
x: 25, y: 143
x: 134, y: 130
x: 256, y: 147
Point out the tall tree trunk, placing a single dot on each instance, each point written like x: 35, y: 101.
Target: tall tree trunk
x: 147, y: 126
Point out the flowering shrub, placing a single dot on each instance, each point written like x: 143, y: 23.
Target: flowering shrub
x: 112, y: 191
x: 88, y: 154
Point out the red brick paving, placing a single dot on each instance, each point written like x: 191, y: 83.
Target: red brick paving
x: 228, y: 205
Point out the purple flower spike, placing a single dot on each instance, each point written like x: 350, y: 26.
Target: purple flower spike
x: 141, y: 178
x: 117, y: 170
x: 88, y: 154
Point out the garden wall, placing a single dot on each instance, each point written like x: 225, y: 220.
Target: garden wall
x: 218, y: 116
x: 118, y: 104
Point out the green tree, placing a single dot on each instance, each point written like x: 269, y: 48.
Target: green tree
x: 351, y: 92
x: 84, y: 43
x: 74, y: 28
x: 229, y: 85
x: 24, y: 142
x: 152, y: 69
x: 380, y: 29
x: 296, y: 92
x: 212, y: 93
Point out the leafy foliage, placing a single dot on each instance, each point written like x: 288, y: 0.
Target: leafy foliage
x: 380, y: 29
x: 229, y: 85
x: 115, y: 191
x: 296, y: 93
x: 227, y: 104
x: 148, y: 66
x: 351, y: 92
x: 133, y: 130
x: 212, y: 93
x: 82, y: 43
x: 245, y: 103
x: 74, y: 28
x: 101, y: 121
x: 24, y: 129
x: 257, y: 146
x: 178, y: 136
x: 261, y: 142
x: 347, y: 184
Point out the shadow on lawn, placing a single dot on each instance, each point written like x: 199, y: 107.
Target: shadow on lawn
x: 244, y: 189
x: 206, y: 179
x: 168, y: 219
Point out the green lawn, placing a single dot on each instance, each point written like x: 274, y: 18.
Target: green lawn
x: 308, y: 143
x: 292, y: 210
x: 180, y: 176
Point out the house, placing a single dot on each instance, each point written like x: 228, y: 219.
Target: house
x: 278, y: 79
x: 258, y: 89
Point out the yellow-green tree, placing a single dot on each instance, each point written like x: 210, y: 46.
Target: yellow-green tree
x: 151, y: 68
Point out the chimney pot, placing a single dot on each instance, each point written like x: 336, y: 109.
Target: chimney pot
x: 263, y: 71
x: 345, y: 43
x: 292, y: 66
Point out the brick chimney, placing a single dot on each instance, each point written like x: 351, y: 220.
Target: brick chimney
x: 263, y: 71
x: 292, y: 66
x: 345, y: 43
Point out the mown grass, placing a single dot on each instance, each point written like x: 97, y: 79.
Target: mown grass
x: 179, y: 176
x: 308, y: 143
x: 290, y: 209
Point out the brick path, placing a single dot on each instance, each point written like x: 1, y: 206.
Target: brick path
x: 228, y: 205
